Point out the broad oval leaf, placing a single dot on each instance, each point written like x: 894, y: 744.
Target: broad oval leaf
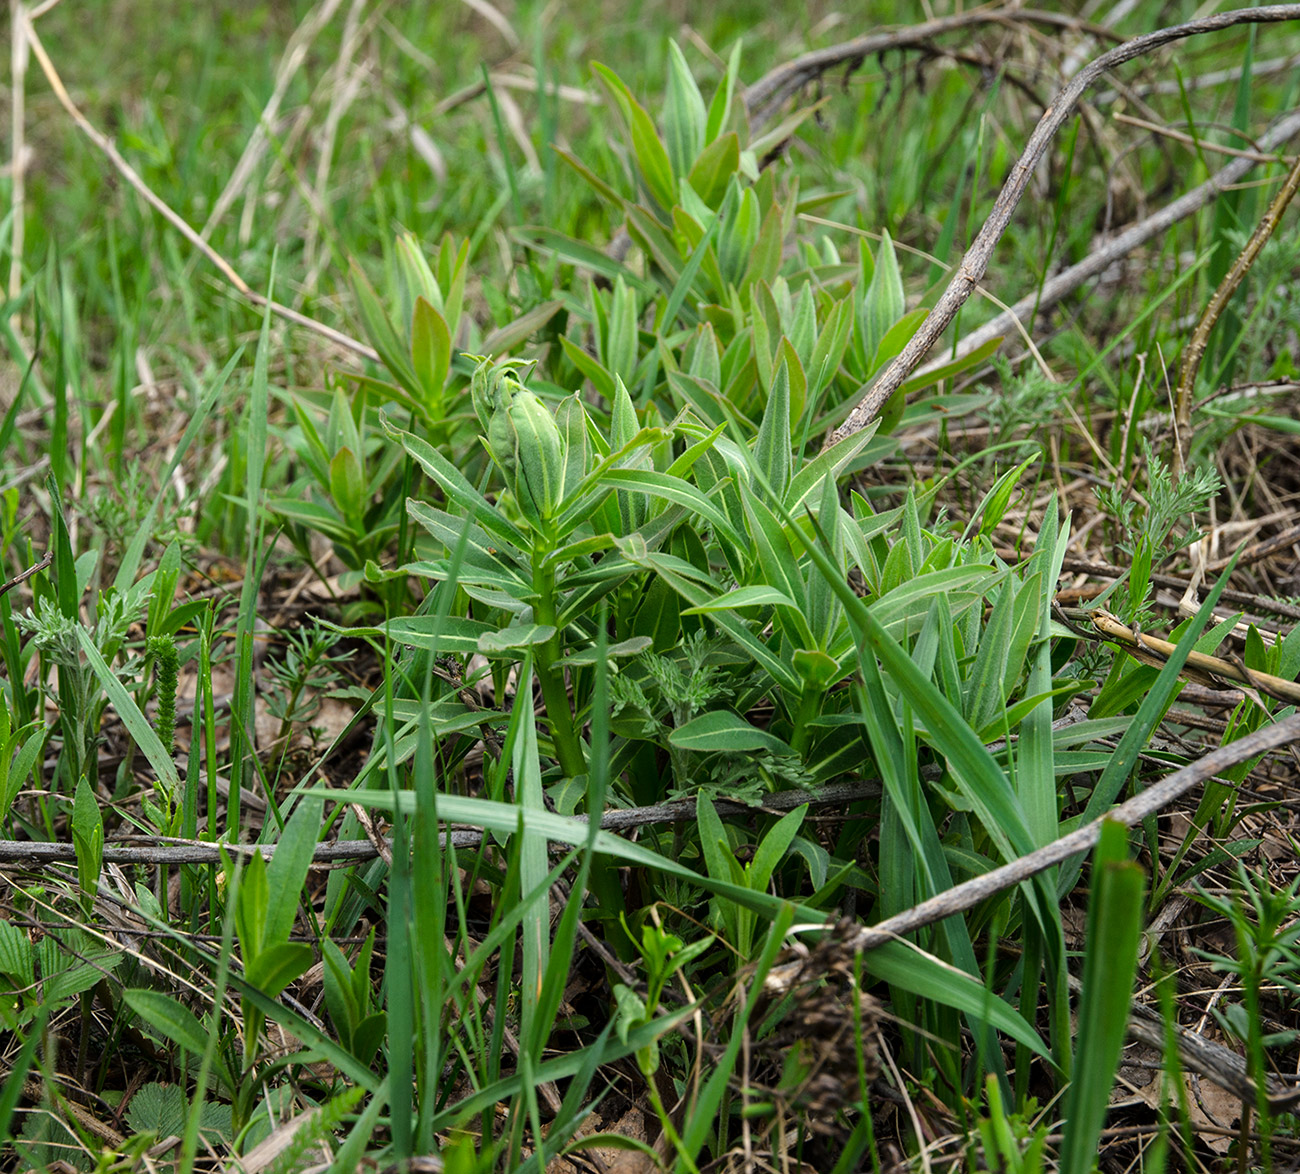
x: 721, y: 729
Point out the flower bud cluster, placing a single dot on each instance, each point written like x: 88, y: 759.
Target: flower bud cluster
x: 524, y: 440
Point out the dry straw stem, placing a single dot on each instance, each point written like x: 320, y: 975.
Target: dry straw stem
x: 132, y: 177
x: 975, y: 263
x: 1209, y: 670
x: 295, y: 55
x: 1195, y: 351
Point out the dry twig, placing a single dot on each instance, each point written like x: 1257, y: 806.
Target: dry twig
x: 1195, y: 349
x: 976, y: 261
x: 127, y: 172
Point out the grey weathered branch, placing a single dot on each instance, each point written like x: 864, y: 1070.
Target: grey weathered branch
x: 765, y: 96
x: 1060, y: 286
x: 343, y: 852
x: 1153, y: 799
x: 975, y: 263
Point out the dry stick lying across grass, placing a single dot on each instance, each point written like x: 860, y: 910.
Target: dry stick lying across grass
x: 182, y: 226
x: 1157, y: 796
x: 350, y: 851
x: 1211, y: 670
x: 976, y: 261
x: 1055, y: 289
x: 1195, y: 349
x: 765, y: 96
x: 291, y: 61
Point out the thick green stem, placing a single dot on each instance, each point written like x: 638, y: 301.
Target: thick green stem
x: 809, y: 705
x: 550, y: 672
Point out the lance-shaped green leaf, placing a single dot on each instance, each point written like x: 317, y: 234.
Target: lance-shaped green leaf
x: 673, y: 489
x: 383, y: 334
x: 772, y: 448
x: 430, y: 351
x: 780, y: 568
x: 884, y: 301
x: 514, y: 640
x: 87, y: 837
x: 722, y: 730
x: 453, y: 483
x: 720, y: 106
x: 712, y: 171
x: 685, y: 117
x: 652, y: 161
x: 479, y: 550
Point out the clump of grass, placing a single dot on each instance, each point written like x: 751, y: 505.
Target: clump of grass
x: 574, y: 532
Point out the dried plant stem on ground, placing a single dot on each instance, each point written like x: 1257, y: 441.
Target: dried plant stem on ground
x: 1211, y: 670
x: 115, y: 157
x: 1055, y: 289
x: 1195, y: 349
x: 1154, y: 798
x: 975, y: 263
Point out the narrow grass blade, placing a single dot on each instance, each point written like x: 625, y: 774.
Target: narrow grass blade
x: 1110, y: 962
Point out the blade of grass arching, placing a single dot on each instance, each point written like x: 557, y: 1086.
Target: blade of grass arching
x: 533, y: 864
x: 1149, y: 715
x: 1110, y: 962
x: 241, y: 704
x: 902, y: 964
x: 504, y: 819
x: 129, y: 570
x: 1044, y: 941
x: 137, y: 725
